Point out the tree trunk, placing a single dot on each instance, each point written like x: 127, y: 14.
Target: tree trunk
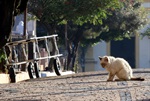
x: 50, y: 30
x: 74, y: 55
x: 69, y: 48
x: 73, y: 47
x: 6, y: 20
x: 82, y: 57
x: 72, y: 50
x: 8, y: 10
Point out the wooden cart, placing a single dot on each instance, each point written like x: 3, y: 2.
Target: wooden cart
x: 31, y: 65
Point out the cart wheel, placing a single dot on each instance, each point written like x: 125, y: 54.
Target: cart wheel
x: 36, y: 70
x: 30, y: 70
x: 12, y: 75
x: 57, y: 67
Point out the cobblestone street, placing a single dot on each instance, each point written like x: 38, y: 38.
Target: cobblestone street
x: 90, y: 86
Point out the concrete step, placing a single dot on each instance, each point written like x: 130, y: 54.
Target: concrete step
x: 47, y: 73
x: 21, y: 76
x: 4, y: 78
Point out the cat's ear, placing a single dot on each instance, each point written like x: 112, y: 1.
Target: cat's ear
x: 106, y: 59
x: 100, y: 58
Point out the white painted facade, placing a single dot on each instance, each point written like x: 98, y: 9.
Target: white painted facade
x: 99, y: 50
x: 144, y: 49
x: 144, y: 43
x: 144, y: 53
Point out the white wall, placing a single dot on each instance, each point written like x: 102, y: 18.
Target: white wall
x: 99, y: 50
x: 144, y: 45
x: 146, y: 4
x: 144, y: 50
x: 144, y: 53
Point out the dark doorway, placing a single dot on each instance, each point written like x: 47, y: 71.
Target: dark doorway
x: 124, y: 49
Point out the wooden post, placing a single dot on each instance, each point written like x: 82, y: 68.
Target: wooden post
x: 25, y: 24
x: 23, y: 66
x: 66, y: 45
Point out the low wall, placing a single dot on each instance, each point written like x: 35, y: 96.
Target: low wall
x: 4, y: 78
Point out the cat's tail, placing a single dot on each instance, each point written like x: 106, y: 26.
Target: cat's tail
x: 137, y: 79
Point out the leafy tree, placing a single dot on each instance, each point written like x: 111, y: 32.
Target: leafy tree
x: 51, y: 13
x: 120, y: 24
x: 78, y: 11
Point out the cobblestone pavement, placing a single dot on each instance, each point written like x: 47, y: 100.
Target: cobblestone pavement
x: 90, y: 86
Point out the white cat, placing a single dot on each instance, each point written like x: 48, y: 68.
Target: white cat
x: 119, y: 67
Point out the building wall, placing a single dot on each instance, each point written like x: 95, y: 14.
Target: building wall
x: 144, y: 43
x: 99, y: 50
x: 89, y: 60
x: 144, y: 53
x: 92, y: 62
x: 146, y: 4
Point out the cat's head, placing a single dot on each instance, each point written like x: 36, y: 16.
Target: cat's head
x: 105, y: 61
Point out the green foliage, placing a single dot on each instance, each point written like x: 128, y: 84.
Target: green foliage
x: 2, y: 55
x: 3, y: 68
x: 76, y: 67
x: 95, y: 20
x: 146, y: 33
x: 122, y: 23
x: 32, y: 17
x: 78, y: 11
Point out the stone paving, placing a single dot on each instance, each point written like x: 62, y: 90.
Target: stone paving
x: 90, y: 86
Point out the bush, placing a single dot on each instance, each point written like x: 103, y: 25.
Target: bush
x: 3, y: 67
